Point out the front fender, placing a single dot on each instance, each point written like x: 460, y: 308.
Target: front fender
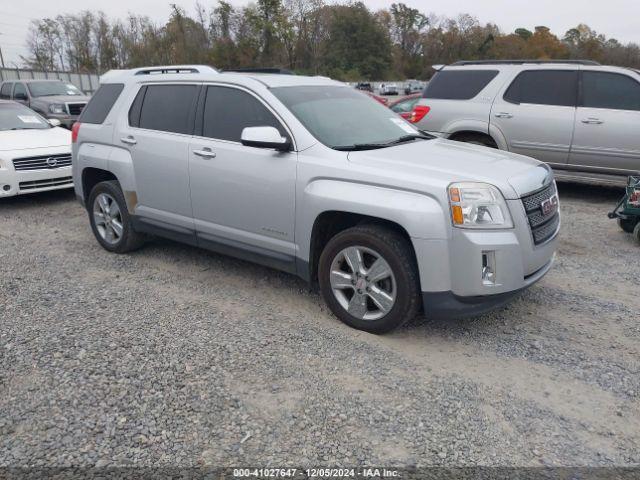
x: 418, y: 213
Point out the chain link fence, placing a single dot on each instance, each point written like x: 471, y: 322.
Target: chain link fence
x: 87, y: 82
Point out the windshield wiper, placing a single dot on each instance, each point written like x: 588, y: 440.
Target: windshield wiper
x: 372, y: 146
x: 359, y: 146
x: 408, y: 138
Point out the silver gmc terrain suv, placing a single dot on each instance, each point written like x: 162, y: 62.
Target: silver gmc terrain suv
x: 309, y: 176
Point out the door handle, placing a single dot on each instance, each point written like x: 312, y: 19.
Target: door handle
x: 504, y: 115
x: 593, y: 121
x: 129, y: 140
x: 205, y: 153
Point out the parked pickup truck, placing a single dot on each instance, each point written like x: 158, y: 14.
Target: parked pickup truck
x: 309, y: 176
x: 53, y: 99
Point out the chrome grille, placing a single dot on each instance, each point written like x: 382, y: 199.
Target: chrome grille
x: 543, y: 227
x: 42, y: 162
x: 75, y: 108
x: 49, y: 182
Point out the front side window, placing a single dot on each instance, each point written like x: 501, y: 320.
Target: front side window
x: 168, y: 108
x: 544, y: 87
x: 5, y: 91
x: 458, y: 84
x: 44, y: 89
x: 228, y: 111
x: 15, y: 116
x: 343, y: 118
x: 20, y: 92
x: 610, y: 90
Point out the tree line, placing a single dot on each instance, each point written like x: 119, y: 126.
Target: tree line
x: 346, y: 41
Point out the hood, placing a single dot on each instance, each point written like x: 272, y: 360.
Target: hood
x: 62, y: 99
x: 447, y: 161
x: 30, y: 139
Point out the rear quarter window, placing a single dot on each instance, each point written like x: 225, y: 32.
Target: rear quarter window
x: 458, y: 84
x: 101, y: 103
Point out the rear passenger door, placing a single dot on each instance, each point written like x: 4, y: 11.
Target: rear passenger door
x: 607, y: 131
x: 243, y: 197
x: 536, y: 113
x: 157, y: 135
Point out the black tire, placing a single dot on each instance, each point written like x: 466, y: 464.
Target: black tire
x: 130, y: 239
x: 627, y: 224
x: 476, y: 139
x: 636, y: 232
x: 398, y: 254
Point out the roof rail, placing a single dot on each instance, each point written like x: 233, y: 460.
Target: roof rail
x: 174, y: 69
x: 281, y: 71
x: 520, y: 62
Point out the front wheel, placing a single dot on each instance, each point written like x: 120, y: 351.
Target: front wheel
x: 627, y: 224
x: 636, y: 232
x: 369, y: 279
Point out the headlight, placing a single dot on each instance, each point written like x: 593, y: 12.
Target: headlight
x: 57, y: 108
x: 478, y: 205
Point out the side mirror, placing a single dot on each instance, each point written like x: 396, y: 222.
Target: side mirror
x: 54, y: 122
x: 264, y: 137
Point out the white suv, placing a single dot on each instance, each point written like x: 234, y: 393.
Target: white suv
x: 309, y: 176
x: 581, y: 118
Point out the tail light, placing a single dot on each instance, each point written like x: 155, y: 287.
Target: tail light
x: 74, y: 132
x: 419, y: 112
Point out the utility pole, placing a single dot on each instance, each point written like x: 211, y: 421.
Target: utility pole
x: 1, y: 57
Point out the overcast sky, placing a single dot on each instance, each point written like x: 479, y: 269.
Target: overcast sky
x: 615, y: 18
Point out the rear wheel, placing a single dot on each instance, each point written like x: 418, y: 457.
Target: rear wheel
x: 110, y: 219
x: 628, y: 224
x: 636, y: 233
x: 368, y: 278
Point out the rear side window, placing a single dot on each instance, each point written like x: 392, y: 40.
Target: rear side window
x: 5, y: 91
x: 544, y: 87
x: 227, y: 111
x: 610, y: 90
x: 404, y: 106
x: 101, y: 103
x: 458, y: 84
x: 168, y: 108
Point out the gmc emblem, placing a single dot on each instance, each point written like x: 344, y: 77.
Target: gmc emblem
x: 550, y: 206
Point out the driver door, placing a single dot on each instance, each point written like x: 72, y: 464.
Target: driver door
x: 243, y: 197
x: 20, y: 94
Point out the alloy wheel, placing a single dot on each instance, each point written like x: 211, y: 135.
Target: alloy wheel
x: 108, y: 218
x: 363, y: 283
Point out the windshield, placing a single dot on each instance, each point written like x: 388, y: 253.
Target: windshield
x: 42, y: 89
x: 16, y: 117
x: 341, y: 117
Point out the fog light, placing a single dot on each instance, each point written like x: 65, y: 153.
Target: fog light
x: 489, y: 268
x: 6, y: 188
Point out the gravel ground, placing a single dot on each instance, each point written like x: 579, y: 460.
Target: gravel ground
x: 179, y: 357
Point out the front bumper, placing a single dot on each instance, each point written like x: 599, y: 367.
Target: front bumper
x: 451, y: 270
x: 440, y: 305
x: 19, y: 183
